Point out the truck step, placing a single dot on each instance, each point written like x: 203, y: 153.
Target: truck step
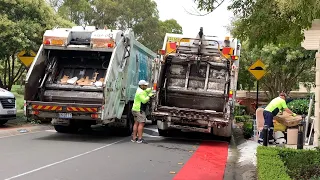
x: 193, y: 129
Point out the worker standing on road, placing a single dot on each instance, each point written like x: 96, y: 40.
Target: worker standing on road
x: 139, y: 107
x: 272, y: 110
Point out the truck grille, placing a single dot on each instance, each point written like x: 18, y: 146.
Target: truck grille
x: 8, y: 103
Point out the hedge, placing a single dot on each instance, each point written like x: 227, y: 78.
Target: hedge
x: 300, y: 106
x: 301, y: 164
x: 270, y: 165
x: 285, y: 163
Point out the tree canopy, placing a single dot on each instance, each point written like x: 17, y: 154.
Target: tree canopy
x: 140, y: 15
x: 286, y: 67
x: 274, y: 21
x: 272, y: 30
x: 22, y: 24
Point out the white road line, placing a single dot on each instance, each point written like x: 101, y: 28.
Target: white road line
x: 62, y: 161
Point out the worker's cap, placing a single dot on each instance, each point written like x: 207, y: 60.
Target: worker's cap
x: 283, y: 94
x: 143, y: 83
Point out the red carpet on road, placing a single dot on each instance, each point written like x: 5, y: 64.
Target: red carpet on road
x: 207, y: 163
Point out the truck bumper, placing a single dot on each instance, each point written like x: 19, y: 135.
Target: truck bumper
x: 8, y: 117
x: 52, y: 110
x: 191, y: 120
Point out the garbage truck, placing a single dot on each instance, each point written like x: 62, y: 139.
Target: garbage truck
x: 83, y: 76
x: 196, y: 84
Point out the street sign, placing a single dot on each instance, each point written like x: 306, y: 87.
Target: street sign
x: 258, y: 69
x: 26, y: 57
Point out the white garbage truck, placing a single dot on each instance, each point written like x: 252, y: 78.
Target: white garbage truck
x: 196, y: 86
x: 83, y: 76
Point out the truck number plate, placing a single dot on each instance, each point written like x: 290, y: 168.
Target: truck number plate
x: 10, y: 112
x: 65, y: 115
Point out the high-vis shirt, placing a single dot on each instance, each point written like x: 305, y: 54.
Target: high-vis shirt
x: 276, y: 103
x: 141, y: 96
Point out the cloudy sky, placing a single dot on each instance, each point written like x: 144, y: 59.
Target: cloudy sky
x: 213, y: 24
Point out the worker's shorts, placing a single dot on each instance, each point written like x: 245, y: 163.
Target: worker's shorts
x: 139, y: 116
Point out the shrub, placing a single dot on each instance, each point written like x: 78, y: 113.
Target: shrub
x: 285, y: 163
x: 242, y: 118
x: 301, y: 164
x: 270, y: 165
x: 248, y: 129
x: 20, y: 91
x: 300, y: 106
x: 239, y: 110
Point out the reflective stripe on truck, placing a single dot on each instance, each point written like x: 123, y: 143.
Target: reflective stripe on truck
x: 82, y: 109
x: 45, y: 107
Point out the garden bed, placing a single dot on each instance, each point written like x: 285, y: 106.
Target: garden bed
x: 287, y: 164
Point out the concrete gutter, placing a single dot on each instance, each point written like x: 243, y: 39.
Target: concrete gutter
x: 15, y: 131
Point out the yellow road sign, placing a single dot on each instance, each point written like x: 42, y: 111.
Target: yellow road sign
x: 258, y: 69
x: 26, y: 57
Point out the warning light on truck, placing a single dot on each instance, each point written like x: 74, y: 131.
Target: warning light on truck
x: 162, y: 52
x: 234, y: 58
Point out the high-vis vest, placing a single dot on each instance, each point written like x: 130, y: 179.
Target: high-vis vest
x: 141, y: 96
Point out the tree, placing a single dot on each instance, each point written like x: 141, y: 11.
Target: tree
x: 77, y: 11
x: 139, y: 15
x: 274, y: 21
x: 151, y: 32
x: 22, y: 24
x: 286, y: 66
x: 208, y: 5
x: 245, y: 80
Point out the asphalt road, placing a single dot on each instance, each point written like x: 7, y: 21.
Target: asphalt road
x: 49, y: 155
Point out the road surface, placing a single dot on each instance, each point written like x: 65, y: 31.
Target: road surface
x: 48, y: 155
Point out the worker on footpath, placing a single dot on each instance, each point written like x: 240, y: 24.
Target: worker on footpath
x: 272, y: 109
x: 141, y: 98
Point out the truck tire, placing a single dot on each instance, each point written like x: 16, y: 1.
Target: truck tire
x: 127, y: 131
x: 2, y: 122
x: 130, y: 123
x: 65, y: 129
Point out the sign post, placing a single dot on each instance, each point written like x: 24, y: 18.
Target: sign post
x: 258, y: 70
x: 26, y: 57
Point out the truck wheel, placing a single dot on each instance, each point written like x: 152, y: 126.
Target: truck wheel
x: 227, y: 139
x: 2, y: 122
x: 65, y: 129
x: 127, y: 131
x: 154, y: 122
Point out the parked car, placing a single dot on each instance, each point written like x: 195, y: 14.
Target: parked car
x: 8, y: 109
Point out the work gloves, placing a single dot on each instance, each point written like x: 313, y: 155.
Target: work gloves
x: 151, y: 95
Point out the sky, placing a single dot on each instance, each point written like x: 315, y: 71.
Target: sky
x: 213, y: 24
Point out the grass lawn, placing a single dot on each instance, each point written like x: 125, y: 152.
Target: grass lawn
x: 18, y: 91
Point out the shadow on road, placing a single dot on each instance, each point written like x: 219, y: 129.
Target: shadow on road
x: 100, y: 134
x: 96, y: 135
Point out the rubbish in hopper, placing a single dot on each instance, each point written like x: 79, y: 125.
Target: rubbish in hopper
x: 72, y: 80
x: 64, y: 79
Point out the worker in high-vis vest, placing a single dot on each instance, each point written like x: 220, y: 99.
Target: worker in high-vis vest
x: 141, y: 98
x: 272, y: 109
